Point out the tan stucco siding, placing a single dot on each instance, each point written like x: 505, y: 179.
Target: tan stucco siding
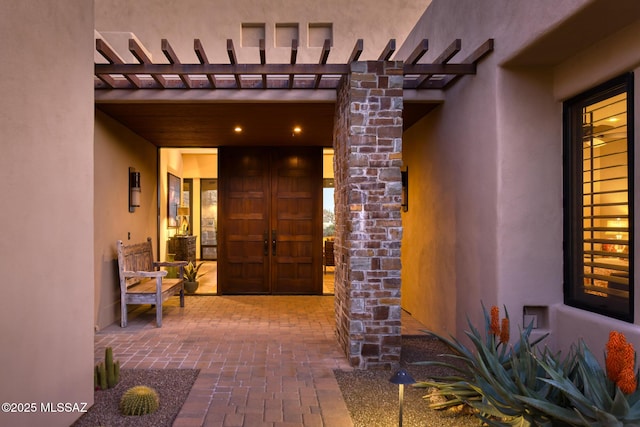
x: 46, y: 170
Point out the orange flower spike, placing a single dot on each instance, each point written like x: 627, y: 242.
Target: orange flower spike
x: 615, y: 354
x: 504, y: 331
x: 627, y: 381
x: 495, y: 320
x: 627, y: 373
x: 620, y: 362
x: 613, y: 365
x: 628, y: 356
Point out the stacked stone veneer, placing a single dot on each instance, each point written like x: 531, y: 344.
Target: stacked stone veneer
x: 368, y: 156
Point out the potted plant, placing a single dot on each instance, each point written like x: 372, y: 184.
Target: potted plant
x: 191, y: 277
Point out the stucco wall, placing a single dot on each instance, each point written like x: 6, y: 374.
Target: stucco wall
x: 118, y: 149
x: 449, y: 259
x: 483, y: 226
x: 46, y: 179
x: 513, y: 24
x: 529, y: 209
x: 213, y: 22
x: 485, y: 168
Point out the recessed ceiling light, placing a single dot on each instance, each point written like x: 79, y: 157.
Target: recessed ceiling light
x: 297, y: 129
x: 237, y: 129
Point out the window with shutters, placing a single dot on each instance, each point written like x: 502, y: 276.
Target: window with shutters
x: 598, y: 172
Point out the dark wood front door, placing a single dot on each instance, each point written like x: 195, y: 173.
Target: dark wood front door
x: 270, y: 221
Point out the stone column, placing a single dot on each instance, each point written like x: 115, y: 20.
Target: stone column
x: 368, y: 157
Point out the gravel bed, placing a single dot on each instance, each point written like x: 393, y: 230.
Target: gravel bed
x: 373, y: 401
x: 173, y: 386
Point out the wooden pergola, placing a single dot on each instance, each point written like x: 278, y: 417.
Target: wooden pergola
x: 439, y: 74
x: 177, y: 104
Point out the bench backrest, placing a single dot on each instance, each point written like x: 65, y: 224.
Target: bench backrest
x: 134, y: 257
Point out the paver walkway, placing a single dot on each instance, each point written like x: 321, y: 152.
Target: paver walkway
x: 263, y: 360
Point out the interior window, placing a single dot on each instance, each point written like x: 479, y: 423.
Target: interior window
x: 599, y: 199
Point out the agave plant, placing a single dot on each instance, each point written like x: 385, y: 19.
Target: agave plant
x: 597, y: 401
x: 521, y: 385
x: 491, y: 376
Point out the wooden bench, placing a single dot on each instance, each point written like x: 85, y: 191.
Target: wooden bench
x: 142, y: 281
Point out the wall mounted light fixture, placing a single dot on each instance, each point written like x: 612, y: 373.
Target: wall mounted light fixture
x: 134, y: 189
x: 404, y: 175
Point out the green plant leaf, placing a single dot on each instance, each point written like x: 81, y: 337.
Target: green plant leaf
x: 594, y: 379
x: 522, y: 385
x: 454, y: 345
x: 574, y: 395
x: 606, y: 419
x: 563, y: 414
x: 634, y: 406
x: 442, y: 365
x: 619, y: 406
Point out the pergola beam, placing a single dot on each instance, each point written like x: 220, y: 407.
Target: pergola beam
x: 202, y: 57
x: 323, y: 60
x: 142, y: 55
x: 173, y: 59
x: 418, y: 52
x: 483, y: 50
x: 388, y: 50
x: 437, y: 75
x: 231, y: 52
x: 451, y: 51
x: 110, y: 55
x: 263, y: 61
x: 461, y: 69
x: 221, y: 69
x: 294, y: 56
x: 357, y: 51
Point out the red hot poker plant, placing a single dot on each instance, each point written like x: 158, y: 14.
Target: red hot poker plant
x: 620, y: 362
x: 504, y: 331
x: 495, y: 320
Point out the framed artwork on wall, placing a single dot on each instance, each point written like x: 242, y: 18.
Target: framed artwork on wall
x: 173, y: 200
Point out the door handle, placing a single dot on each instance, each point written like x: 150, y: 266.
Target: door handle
x: 274, y: 243
x: 266, y: 243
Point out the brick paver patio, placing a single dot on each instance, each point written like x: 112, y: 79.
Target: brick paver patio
x: 263, y: 360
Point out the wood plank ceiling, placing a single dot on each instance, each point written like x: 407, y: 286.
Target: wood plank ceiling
x: 212, y: 124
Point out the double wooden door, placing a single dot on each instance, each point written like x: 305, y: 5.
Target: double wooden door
x: 270, y: 214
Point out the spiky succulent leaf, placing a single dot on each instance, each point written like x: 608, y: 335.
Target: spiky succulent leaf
x: 442, y: 364
x: 634, y: 406
x: 596, y: 386
x: 453, y: 344
x: 521, y: 385
x: 619, y: 407
x: 606, y: 419
x: 554, y: 411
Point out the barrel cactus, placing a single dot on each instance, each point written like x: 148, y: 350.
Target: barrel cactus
x: 139, y: 400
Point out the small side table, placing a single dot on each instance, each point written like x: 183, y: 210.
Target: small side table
x: 183, y: 247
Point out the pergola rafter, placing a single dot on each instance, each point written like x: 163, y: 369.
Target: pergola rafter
x: 439, y: 74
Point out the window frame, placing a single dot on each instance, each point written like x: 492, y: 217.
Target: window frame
x: 574, y: 293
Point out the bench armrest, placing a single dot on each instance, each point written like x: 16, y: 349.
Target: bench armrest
x: 128, y: 274
x: 171, y: 264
